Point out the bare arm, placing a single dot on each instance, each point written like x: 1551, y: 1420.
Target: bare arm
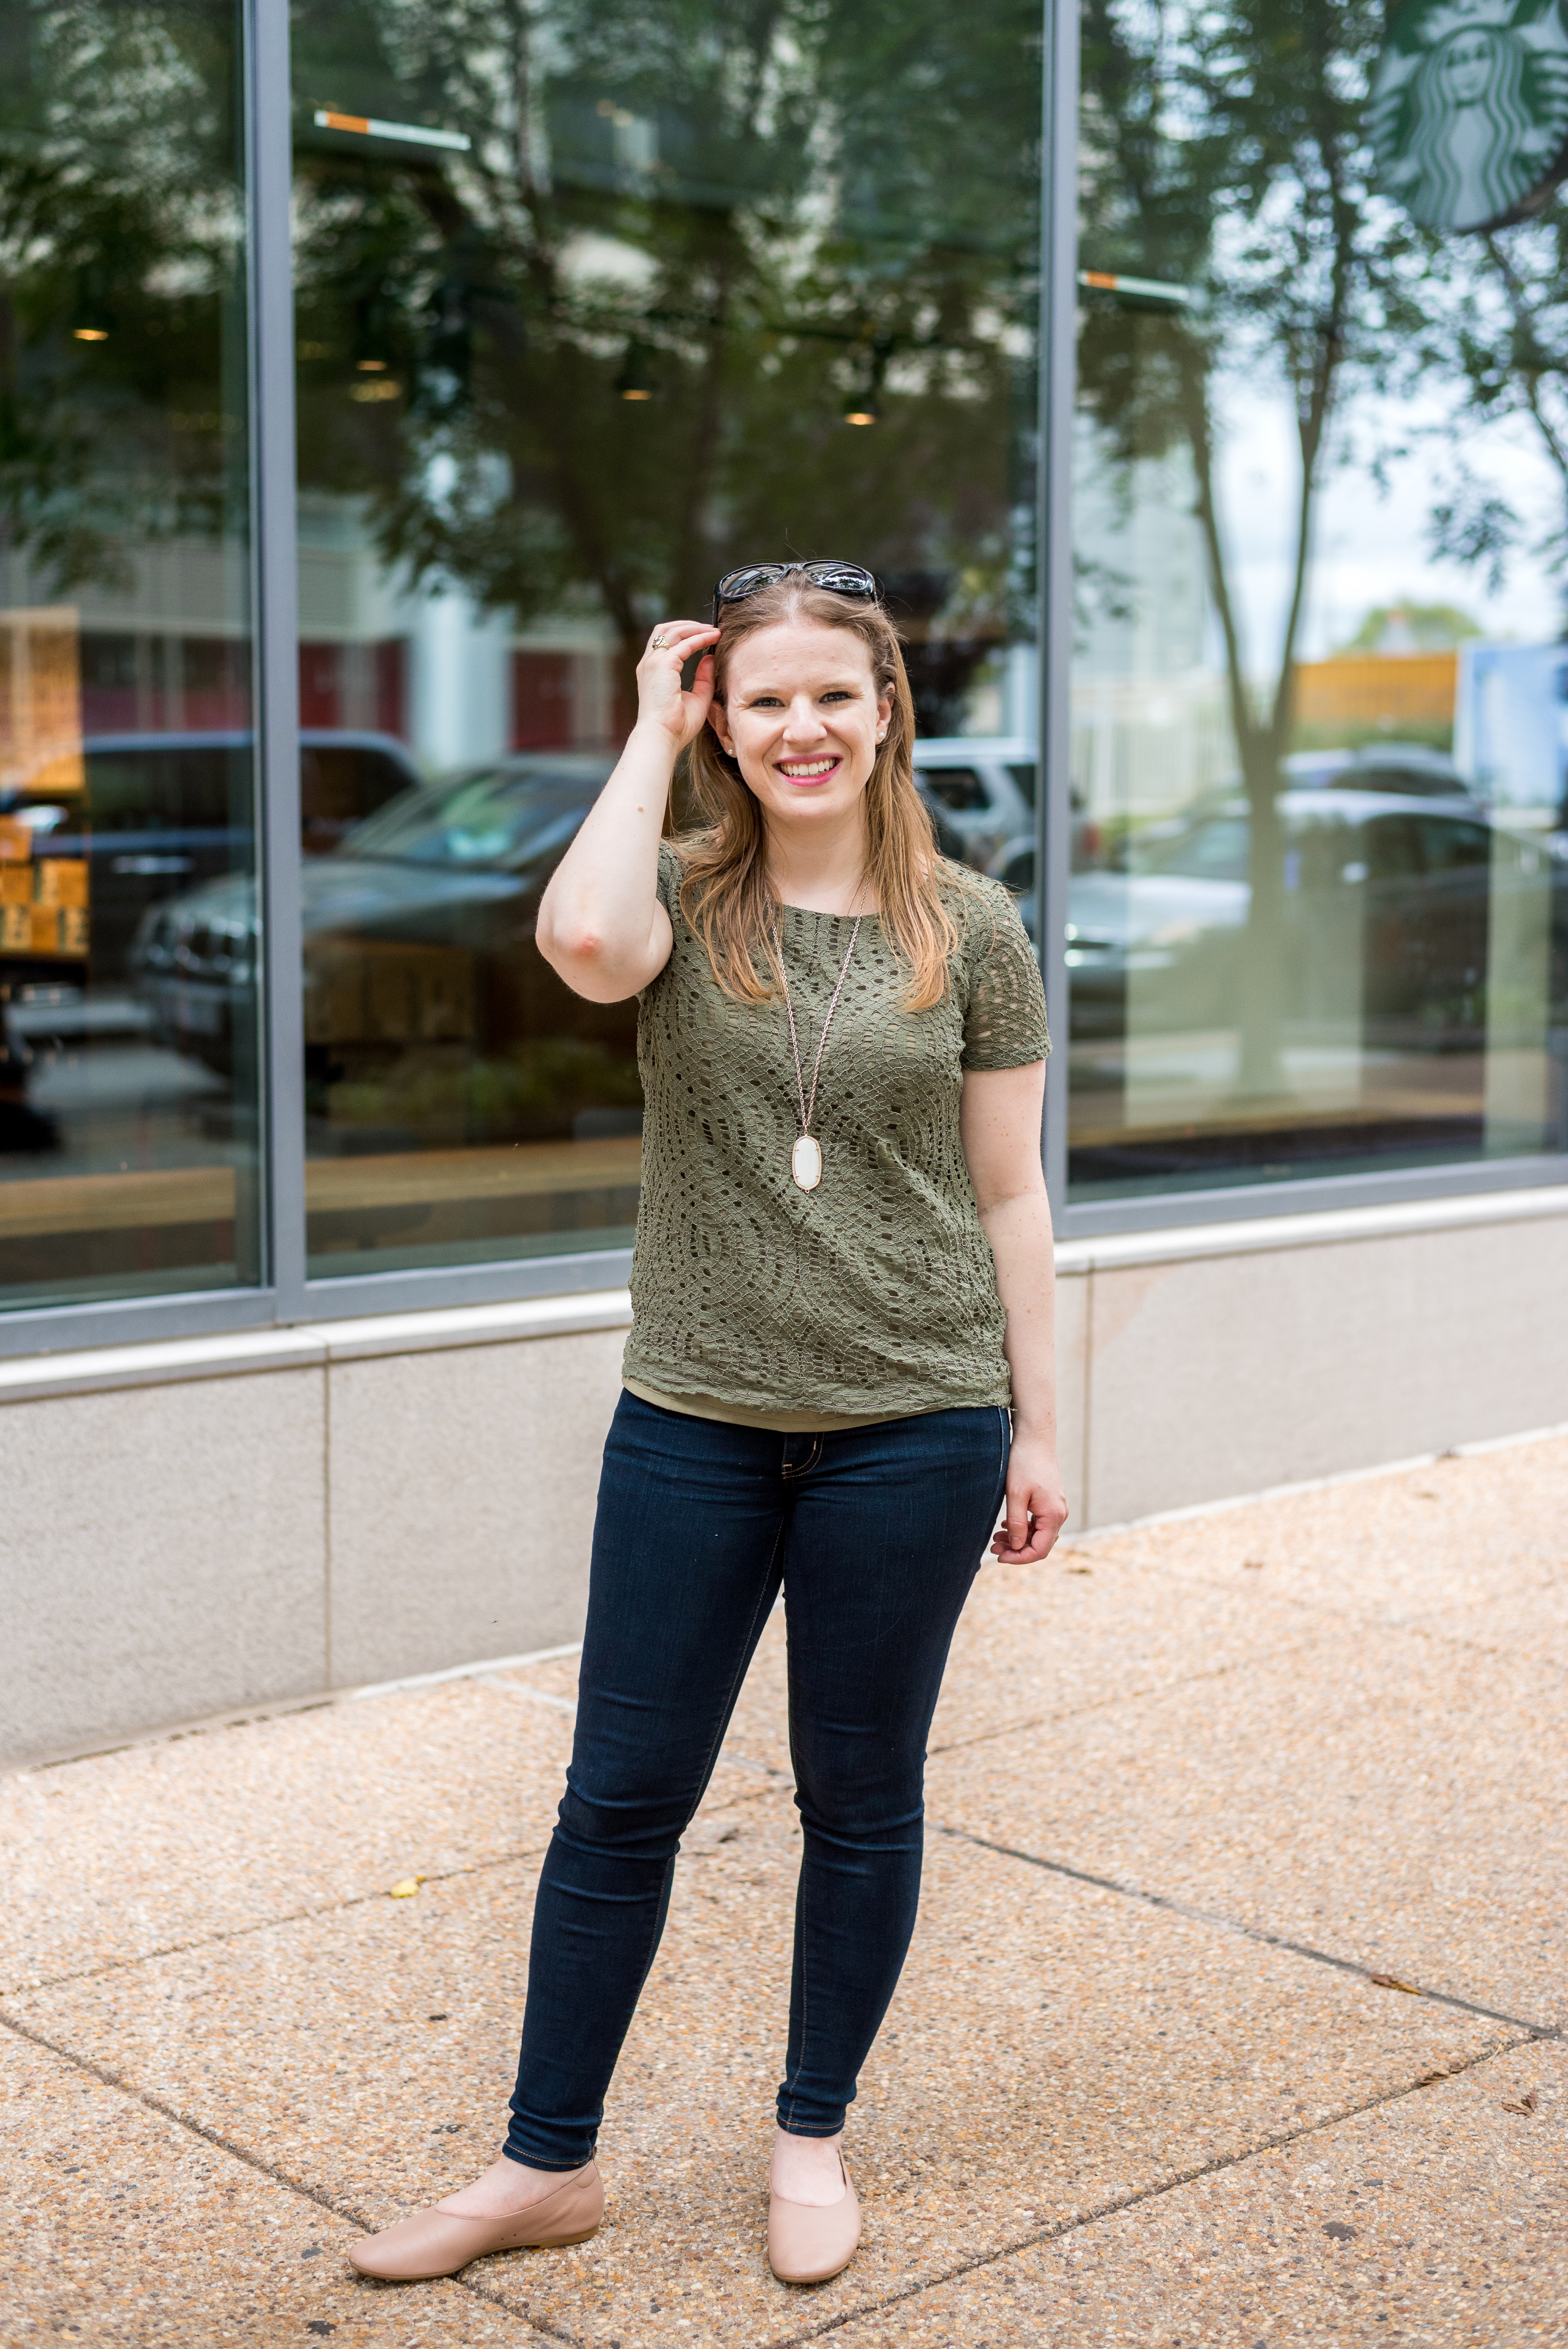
x: 600, y: 924
x: 999, y: 1119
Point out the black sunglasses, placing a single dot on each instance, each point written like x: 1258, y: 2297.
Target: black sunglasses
x: 838, y: 578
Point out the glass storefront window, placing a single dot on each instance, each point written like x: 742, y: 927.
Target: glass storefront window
x: 1318, y: 909
x: 593, y: 305
x: 128, y: 1069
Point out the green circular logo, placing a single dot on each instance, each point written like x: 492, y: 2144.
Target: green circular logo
x: 1469, y: 110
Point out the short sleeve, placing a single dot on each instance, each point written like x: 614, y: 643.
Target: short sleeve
x: 1005, y: 1019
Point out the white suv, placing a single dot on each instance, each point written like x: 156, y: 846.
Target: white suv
x: 982, y: 787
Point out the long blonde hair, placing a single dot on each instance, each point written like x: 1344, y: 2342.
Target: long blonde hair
x: 725, y: 894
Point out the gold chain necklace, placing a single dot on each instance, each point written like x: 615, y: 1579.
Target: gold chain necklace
x: 805, y: 1158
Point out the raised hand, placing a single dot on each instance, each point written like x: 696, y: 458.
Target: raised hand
x: 660, y: 701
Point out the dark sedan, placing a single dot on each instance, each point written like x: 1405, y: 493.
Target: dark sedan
x: 159, y: 813
x: 427, y: 1003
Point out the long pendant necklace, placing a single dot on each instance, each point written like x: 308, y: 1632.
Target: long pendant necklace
x: 805, y: 1158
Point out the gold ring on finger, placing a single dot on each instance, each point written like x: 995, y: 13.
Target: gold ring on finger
x: 656, y: 644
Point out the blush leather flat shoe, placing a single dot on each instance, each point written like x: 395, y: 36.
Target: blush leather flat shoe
x: 808, y: 2243
x: 437, y: 2242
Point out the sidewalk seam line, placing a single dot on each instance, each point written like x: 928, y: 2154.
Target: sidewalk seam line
x: 259, y: 1925
x: 1172, y: 1907
x: 1251, y: 1661
x: 325, y: 1908
x: 1335, y: 1611
x: 1270, y: 2144
x: 1127, y: 1696
x: 1221, y: 2162
x: 215, y: 2138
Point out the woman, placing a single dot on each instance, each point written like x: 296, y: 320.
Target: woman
x: 842, y: 1279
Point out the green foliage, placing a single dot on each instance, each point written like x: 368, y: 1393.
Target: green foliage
x: 1366, y: 734
x: 537, y: 1087
x: 1431, y: 628
x: 1497, y: 331
x: 120, y: 220
x: 788, y: 208
x: 781, y: 209
x: 1225, y: 153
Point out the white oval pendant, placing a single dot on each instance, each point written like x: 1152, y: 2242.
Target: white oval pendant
x: 806, y: 1162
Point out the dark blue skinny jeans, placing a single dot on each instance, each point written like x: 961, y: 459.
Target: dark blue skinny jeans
x: 876, y: 1534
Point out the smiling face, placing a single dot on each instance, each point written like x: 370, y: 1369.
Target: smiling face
x: 1467, y: 67
x: 802, y: 719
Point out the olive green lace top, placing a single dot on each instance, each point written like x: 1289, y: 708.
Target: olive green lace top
x: 874, y: 1295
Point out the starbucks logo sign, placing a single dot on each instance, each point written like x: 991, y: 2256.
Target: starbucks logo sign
x: 1469, y: 110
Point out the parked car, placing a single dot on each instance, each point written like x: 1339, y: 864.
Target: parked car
x: 1407, y: 769
x: 421, y: 963
x: 159, y: 813
x: 981, y: 790
x: 1402, y: 770
x: 1387, y: 903
x: 419, y: 922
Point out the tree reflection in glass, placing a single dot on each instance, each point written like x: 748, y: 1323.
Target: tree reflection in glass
x: 1268, y: 415
x: 128, y: 1108
x: 682, y: 287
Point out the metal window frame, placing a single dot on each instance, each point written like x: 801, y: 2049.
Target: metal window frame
x: 270, y: 158
x: 286, y: 1294
x: 1054, y: 555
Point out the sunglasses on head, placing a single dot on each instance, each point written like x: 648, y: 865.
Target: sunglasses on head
x: 838, y: 578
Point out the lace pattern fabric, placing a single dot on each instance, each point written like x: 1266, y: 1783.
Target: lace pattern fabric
x: 877, y: 1291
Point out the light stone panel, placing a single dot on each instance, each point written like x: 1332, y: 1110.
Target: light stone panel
x: 170, y: 1551
x: 161, y: 1556
x: 462, y: 1491
x: 1223, y: 1375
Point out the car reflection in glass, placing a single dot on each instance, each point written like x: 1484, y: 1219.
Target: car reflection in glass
x: 430, y: 1018
x: 979, y: 790
x: 157, y: 815
x: 1390, y: 872
x: 161, y: 812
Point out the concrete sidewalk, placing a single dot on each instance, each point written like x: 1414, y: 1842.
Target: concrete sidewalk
x: 1234, y: 2016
